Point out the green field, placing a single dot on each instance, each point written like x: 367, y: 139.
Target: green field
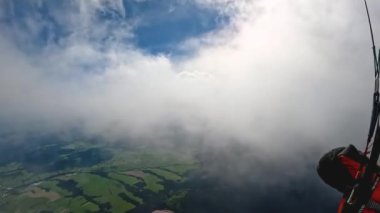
x: 123, y: 180
x: 166, y: 174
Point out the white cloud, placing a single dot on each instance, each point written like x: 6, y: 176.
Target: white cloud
x: 285, y: 70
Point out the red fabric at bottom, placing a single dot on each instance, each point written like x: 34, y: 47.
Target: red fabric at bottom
x: 353, y: 167
x: 343, y: 201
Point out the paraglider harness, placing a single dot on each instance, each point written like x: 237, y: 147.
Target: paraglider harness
x: 366, y: 178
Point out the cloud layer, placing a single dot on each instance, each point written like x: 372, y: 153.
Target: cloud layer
x: 281, y: 74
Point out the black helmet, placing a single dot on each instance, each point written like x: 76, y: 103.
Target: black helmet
x: 336, y: 174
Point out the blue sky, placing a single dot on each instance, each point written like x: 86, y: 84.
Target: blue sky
x: 157, y: 26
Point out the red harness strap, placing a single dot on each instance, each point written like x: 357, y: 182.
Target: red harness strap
x: 354, y: 167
